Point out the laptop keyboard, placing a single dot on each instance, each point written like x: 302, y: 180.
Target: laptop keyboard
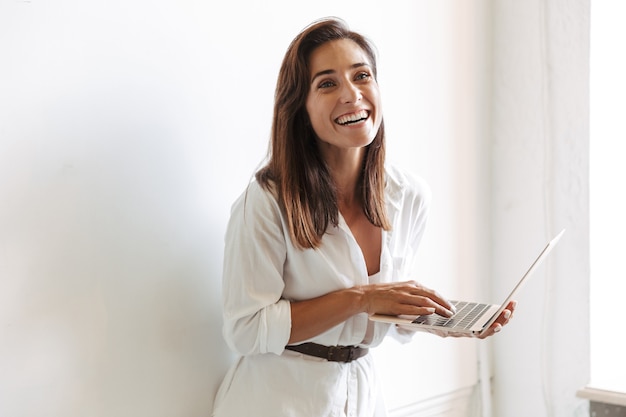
x: 466, y: 315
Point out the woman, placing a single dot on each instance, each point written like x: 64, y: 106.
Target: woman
x: 319, y: 242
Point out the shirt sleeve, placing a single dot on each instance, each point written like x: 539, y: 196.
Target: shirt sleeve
x: 256, y: 317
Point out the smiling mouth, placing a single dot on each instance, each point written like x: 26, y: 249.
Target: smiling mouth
x: 349, y: 119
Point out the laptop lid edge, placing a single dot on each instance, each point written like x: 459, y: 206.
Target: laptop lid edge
x: 538, y: 261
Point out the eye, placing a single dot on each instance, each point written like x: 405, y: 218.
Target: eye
x: 363, y: 75
x: 326, y: 84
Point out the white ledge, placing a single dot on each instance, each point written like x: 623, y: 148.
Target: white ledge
x: 603, y: 396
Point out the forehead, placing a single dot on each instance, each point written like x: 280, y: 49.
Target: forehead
x: 336, y: 54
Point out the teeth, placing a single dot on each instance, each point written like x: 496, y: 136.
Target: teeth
x: 350, y: 118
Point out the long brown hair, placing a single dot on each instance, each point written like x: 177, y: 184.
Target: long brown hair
x: 295, y: 167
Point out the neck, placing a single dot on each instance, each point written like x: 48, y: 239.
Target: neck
x: 345, y: 168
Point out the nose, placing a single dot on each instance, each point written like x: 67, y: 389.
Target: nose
x: 350, y: 93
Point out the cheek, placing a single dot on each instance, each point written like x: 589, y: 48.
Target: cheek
x: 310, y: 109
x: 316, y: 113
x: 374, y: 94
x: 377, y: 102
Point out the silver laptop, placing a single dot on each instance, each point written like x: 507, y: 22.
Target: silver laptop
x: 470, y: 318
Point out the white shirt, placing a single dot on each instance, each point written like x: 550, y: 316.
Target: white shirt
x: 264, y: 271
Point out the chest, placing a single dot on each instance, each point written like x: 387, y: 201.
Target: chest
x: 368, y: 238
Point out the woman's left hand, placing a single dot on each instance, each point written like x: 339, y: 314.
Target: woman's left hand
x: 503, y: 320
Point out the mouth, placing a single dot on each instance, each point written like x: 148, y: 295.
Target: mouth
x: 352, y: 118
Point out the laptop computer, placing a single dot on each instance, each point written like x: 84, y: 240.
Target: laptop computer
x: 471, y: 318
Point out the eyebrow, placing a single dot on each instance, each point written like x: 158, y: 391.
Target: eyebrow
x: 332, y: 71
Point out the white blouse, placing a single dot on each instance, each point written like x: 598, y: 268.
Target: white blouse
x: 264, y: 271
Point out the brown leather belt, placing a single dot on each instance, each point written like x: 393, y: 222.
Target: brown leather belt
x: 330, y: 353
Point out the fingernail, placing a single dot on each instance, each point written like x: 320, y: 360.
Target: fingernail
x: 507, y: 314
x: 497, y: 329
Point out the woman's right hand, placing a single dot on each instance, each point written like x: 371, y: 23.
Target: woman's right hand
x: 314, y: 316
x: 409, y: 297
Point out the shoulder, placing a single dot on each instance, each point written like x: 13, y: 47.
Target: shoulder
x: 256, y: 201
x: 255, y: 217
x: 257, y: 194
x: 403, y: 186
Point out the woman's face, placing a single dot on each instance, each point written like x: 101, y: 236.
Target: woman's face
x: 343, y: 102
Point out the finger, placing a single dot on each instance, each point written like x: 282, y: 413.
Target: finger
x: 495, y: 328
x: 511, y: 306
x: 505, y: 317
x: 412, y: 310
x: 442, y: 305
x: 426, y: 301
x: 447, y: 311
x: 416, y: 300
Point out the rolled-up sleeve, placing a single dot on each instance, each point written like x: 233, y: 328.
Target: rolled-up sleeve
x: 256, y: 318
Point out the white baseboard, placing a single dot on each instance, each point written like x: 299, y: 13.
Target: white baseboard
x: 463, y: 402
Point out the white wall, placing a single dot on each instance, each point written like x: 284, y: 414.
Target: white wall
x: 540, y: 137
x: 127, y: 128
x: 113, y: 205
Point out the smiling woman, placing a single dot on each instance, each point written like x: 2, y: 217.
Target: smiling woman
x: 325, y: 237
